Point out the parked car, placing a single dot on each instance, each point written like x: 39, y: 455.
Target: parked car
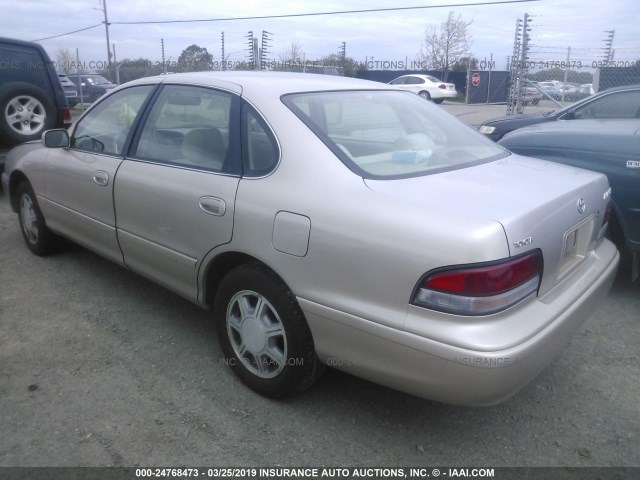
x: 611, y: 147
x: 31, y: 97
x: 559, y: 91
x: 530, y: 95
x: 70, y: 90
x: 619, y: 102
x: 91, y: 86
x: 329, y: 220
x: 583, y: 91
x: 427, y: 86
x: 550, y: 89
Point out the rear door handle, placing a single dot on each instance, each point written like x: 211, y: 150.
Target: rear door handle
x: 101, y: 177
x: 213, y: 206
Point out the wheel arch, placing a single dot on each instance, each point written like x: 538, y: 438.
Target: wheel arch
x: 17, y: 177
x: 617, y: 229
x: 219, y: 266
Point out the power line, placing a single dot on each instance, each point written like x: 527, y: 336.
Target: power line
x: 314, y: 14
x: 68, y: 33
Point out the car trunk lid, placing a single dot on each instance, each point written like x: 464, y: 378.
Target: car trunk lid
x: 539, y: 204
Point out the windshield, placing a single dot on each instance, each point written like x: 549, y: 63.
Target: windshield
x: 391, y: 134
x: 97, y: 80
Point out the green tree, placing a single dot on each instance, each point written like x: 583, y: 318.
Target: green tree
x: 573, y: 76
x: 462, y: 64
x: 195, y: 58
x: 347, y: 65
x: 132, y: 69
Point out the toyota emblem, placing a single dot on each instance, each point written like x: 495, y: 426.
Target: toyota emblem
x: 581, y: 205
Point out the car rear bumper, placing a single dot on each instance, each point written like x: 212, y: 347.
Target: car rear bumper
x: 432, y: 369
x: 445, y: 94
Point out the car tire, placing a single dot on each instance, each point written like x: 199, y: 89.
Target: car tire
x: 424, y: 94
x: 39, y: 108
x: 39, y: 239
x: 263, y: 333
x: 438, y: 100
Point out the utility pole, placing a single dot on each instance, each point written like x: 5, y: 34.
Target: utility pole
x: 223, y: 63
x: 250, y: 47
x: 164, y: 63
x: 106, y: 28
x: 115, y: 62
x: 524, y: 57
x: 609, y: 43
x: 264, y: 49
x: 512, y: 65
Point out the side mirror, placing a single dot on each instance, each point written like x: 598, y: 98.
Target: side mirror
x: 57, y: 138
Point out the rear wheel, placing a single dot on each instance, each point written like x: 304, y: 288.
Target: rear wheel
x: 263, y: 333
x: 424, y: 94
x: 39, y: 239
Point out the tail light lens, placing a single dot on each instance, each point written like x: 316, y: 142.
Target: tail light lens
x: 442, y: 86
x: 66, y: 117
x: 480, y: 289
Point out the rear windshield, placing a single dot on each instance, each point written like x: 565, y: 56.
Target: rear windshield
x: 389, y: 134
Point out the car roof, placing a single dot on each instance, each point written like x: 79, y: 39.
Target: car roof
x: 260, y: 82
x: 24, y: 43
x: 622, y: 87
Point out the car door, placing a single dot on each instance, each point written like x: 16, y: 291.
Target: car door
x: 623, y: 104
x: 78, y: 181
x: 416, y: 84
x: 175, y: 192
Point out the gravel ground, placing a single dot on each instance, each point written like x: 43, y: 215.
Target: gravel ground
x: 99, y: 367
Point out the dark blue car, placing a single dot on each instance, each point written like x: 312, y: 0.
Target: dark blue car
x: 618, y: 102
x: 611, y: 147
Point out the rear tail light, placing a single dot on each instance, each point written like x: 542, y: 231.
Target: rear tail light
x: 480, y: 289
x: 66, y: 117
x: 442, y: 86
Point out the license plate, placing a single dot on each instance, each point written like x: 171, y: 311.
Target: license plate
x: 576, y: 242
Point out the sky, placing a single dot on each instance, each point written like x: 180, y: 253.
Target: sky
x: 383, y: 39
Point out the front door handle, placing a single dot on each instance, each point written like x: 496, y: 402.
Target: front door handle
x: 213, y: 206
x: 101, y: 177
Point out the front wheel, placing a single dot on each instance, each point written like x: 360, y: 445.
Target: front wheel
x: 39, y: 239
x: 263, y: 333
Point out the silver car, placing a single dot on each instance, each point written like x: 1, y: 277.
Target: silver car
x: 329, y: 221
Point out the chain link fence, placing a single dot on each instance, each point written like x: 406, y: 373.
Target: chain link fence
x: 548, y: 77
x: 544, y: 86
